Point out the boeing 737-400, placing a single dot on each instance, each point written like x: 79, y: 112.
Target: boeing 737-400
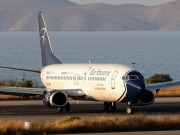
x: 108, y: 83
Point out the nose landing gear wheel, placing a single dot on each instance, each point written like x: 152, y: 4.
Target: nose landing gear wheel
x: 129, y: 110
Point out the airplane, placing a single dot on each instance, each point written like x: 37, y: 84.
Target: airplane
x: 108, y: 83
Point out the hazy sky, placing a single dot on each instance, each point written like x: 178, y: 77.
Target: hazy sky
x: 118, y: 2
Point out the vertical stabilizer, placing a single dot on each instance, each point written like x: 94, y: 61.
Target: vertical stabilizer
x: 47, y: 55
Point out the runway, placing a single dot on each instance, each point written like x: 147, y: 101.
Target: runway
x: 29, y: 110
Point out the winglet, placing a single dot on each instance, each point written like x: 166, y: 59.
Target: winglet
x: 47, y: 55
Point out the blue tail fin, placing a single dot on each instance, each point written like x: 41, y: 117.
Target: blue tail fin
x: 47, y: 55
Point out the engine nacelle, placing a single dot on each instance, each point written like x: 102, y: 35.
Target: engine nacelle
x: 147, y: 99
x: 55, y: 98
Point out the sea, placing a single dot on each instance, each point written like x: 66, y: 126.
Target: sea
x: 151, y: 51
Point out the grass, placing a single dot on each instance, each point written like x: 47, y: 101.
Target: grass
x: 15, y: 83
x: 11, y: 97
x: 75, y: 124
x: 168, y: 92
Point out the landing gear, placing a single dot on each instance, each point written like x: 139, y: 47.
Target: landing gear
x: 129, y: 109
x: 60, y: 109
x: 112, y: 105
x: 67, y: 108
x: 106, y: 106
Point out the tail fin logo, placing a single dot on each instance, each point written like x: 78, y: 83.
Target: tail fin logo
x: 48, y: 57
x: 43, y: 32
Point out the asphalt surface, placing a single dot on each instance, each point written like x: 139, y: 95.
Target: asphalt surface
x: 29, y: 110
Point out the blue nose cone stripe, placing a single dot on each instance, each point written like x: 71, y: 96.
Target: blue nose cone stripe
x: 133, y: 92
x: 135, y: 86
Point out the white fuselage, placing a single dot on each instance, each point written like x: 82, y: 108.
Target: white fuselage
x: 103, y: 82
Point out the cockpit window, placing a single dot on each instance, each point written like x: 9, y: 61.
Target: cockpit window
x: 141, y: 77
x: 133, y: 75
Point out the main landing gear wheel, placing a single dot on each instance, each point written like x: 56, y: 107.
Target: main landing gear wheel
x: 112, y: 105
x: 106, y: 106
x: 67, y: 108
x: 60, y: 109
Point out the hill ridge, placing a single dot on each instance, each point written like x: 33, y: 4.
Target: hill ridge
x: 68, y: 16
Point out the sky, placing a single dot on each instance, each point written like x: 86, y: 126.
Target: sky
x: 118, y: 2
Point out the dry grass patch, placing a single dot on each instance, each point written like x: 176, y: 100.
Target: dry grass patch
x: 75, y: 124
x: 11, y: 127
x: 168, y: 92
x: 11, y: 97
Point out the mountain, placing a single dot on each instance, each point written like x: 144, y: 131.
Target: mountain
x: 31, y: 5
x: 67, y: 16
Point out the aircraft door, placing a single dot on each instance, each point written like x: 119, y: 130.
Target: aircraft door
x: 113, y: 80
x: 76, y: 79
x: 42, y: 74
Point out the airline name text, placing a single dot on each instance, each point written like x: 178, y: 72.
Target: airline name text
x: 99, y: 72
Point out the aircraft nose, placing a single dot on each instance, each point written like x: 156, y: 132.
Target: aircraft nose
x: 138, y: 84
x: 135, y: 85
x: 135, y: 89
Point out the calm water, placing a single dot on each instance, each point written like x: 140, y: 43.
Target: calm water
x: 153, y: 52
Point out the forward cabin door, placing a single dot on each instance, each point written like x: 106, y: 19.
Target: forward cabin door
x: 113, y: 80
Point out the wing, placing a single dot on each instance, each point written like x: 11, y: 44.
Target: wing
x: 21, y: 91
x: 158, y: 86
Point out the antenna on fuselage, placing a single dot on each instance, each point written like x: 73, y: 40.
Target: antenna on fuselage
x: 134, y: 64
x: 90, y: 62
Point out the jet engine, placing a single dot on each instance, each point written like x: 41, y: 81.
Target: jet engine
x: 55, y: 98
x: 147, y: 99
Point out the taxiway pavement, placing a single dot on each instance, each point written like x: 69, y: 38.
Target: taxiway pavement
x: 29, y: 110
